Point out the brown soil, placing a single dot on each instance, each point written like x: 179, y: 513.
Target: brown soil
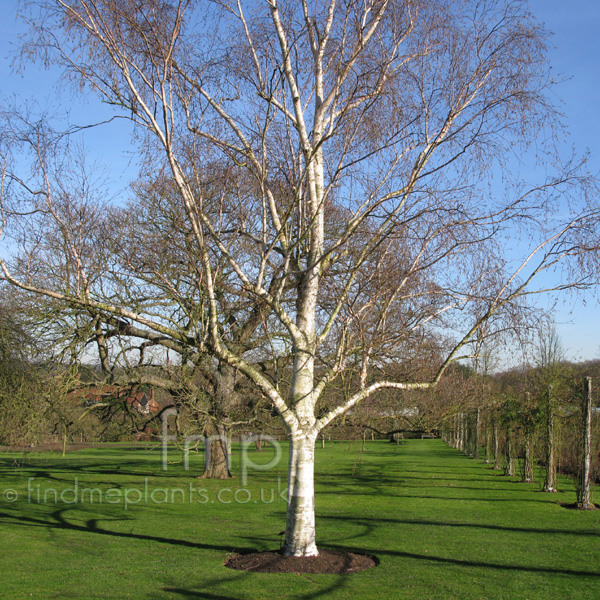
x: 575, y: 506
x: 328, y: 561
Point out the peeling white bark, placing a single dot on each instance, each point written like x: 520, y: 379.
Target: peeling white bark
x: 300, y: 520
x: 584, y: 499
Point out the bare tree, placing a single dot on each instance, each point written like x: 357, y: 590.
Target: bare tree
x: 346, y: 129
x: 584, y: 497
x: 550, y: 386
x: 528, y: 421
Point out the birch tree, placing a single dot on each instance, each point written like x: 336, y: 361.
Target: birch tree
x: 553, y: 383
x: 354, y: 130
x: 584, y: 496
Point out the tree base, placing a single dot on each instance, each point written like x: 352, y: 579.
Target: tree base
x: 578, y: 506
x: 216, y: 475
x: 328, y: 561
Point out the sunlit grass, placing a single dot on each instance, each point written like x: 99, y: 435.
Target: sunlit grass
x: 442, y: 525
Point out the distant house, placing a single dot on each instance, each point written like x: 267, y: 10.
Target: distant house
x: 402, y: 412
x: 143, y: 402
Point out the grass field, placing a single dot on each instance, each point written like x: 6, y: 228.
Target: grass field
x: 110, y: 523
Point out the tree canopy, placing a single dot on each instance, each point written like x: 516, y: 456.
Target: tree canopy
x: 317, y: 188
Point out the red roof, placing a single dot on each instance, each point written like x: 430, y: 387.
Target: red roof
x: 141, y: 401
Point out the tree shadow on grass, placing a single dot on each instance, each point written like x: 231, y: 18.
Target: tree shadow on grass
x: 369, y: 478
x: 444, y: 498
x: 185, y: 593
x: 58, y: 520
x: 373, y: 523
x: 370, y: 527
x: 199, y: 590
x: 431, y: 488
x: 478, y: 564
x: 51, y: 468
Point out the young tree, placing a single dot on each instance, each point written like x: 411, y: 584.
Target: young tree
x: 528, y: 420
x: 584, y: 496
x: 551, y: 382
x: 508, y: 418
x: 484, y: 363
x: 348, y: 131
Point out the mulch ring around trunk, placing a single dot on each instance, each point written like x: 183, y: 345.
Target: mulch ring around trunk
x: 329, y: 561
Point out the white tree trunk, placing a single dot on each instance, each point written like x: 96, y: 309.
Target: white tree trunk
x: 550, y: 481
x: 528, y: 464
x: 300, y: 519
x: 584, y: 491
x: 496, y: 448
x: 510, y: 452
x: 476, y: 434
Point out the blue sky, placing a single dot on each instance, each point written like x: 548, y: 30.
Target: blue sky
x: 40, y: 84
x: 574, y: 53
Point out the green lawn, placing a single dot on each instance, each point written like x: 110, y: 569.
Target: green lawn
x: 442, y: 525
